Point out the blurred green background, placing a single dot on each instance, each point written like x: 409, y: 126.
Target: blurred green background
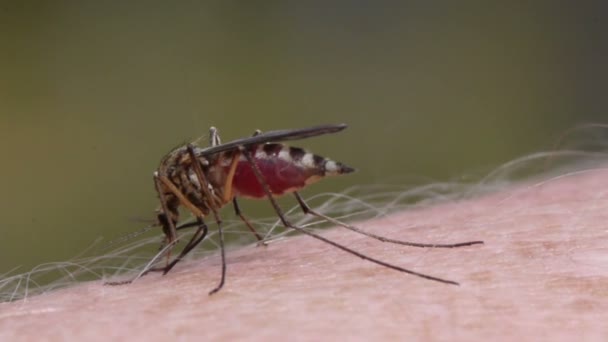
x: 92, y: 94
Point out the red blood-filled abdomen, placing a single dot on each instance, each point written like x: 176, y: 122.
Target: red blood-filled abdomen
x: 280, y: 175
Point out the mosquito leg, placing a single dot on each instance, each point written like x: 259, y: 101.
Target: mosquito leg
x: 196, y: 239
x: 309, y: 210
x: 223, y: 257
x: 161, y: 179
x: 210, y: 200
x: 181, y: 197
x: 201, y: 226
x: 288, y: 224
x: 166, y: 221
x: 146, y: 271
x: 228, y: 193
x: 162, y: 219
x: 198, y: 236
x: 187, y: 225
x: 213, y: 204
x: 172, y: 236
x: 237, y: 210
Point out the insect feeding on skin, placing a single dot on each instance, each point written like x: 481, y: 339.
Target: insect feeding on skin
x: 205, y: 179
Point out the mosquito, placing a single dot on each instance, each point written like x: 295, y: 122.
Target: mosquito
x: 203, y: 180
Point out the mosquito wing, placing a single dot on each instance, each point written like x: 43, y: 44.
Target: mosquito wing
x: 274, y: 136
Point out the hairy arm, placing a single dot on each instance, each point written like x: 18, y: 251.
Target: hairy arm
x: 543, y: 272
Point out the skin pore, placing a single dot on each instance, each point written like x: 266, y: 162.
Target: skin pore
x: 542, y: 273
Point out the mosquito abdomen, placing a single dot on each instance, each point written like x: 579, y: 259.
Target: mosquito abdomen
x: 285, y: 169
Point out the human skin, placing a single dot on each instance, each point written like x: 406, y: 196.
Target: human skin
x: 541, y: 274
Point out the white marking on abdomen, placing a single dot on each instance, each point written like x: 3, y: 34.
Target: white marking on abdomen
x: 308, y: 161
x: 331, y: 167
